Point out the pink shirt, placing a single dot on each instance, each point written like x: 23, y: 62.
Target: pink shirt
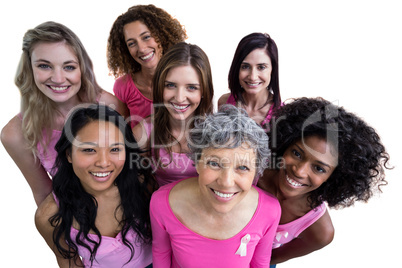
x: 125, y: 90
x: 112, y: 252
x: 177, y: 167
x: 47, y: 156
x: 288, y: 231
x: 174, y: 245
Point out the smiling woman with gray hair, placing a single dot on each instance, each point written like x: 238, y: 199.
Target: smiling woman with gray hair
x: 218, y: 218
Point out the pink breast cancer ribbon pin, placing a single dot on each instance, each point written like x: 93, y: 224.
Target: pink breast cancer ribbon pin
x: 242, y: 250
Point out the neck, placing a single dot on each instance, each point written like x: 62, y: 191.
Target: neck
x: 256, y: 101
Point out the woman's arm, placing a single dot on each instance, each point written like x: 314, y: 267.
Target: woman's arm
x: 223, y: 99
x: 17, y: 147
x: 141, y: 135
x: 47, y: 209
x: 315, y: 237
x: 161, y: 248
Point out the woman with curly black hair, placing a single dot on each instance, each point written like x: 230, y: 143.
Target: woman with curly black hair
x: 321, y: 154
x: 98, y: 210
x: 137, y: 40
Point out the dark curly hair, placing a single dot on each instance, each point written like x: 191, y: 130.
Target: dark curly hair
x: 77, y: 204
x: 361, y: 155
x: 166, y: 30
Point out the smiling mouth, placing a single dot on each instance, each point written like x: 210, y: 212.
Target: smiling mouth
x: 101, y: 174
x: 222, y: 195
x: 253, y: 84
x: 180, y: 107
x: 147, y: 57
x: 60, y: 88
x: 294, y: 183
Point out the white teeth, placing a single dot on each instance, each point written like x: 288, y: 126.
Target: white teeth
x: 98, y: 174
x: 59, y: 88
x: 148, y: 56
x: 180, y: 107
x: 293, y: 182
x: 223, y: 195
x: 253, y: 84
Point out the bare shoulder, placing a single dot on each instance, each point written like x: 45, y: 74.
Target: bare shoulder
x: 11, y: 134
x: 223, y: 99
x: 321, y: 233
x: 113, y: 102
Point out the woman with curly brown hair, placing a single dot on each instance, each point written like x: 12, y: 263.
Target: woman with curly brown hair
x: 137, y: 40
x: 321, y: 154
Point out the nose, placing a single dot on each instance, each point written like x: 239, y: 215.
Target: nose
x: 253, y: 74
x: 180, y: 95
x: 103, y: 159
x: 57, y: 76
x: 301, y: 169
x: 226, y: 178
x: 141, y: 46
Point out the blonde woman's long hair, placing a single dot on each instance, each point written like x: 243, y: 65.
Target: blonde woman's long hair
x: 37, y: 110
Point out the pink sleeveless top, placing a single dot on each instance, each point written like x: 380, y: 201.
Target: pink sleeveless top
x: 180, y: 166
x: 112, y: 252
x: 288, y: 231
x: 140, y: 107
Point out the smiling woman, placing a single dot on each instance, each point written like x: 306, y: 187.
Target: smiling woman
x: 98, y: 210
x: 327, y: 156
x: 54, y: 75
x: 217, y: 219
x: 137, y: 41
x: 183, y: 91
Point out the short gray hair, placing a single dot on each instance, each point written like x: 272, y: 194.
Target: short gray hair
x: 229, y: 128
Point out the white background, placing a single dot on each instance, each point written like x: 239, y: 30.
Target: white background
x: 348, y: 52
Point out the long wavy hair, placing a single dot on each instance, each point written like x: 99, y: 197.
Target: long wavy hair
x: 181, y: 54
x: 362, y: 158
x: 76, y: 204
x: 246, y: 45
x: 37, y: 109
x: 166, y: 30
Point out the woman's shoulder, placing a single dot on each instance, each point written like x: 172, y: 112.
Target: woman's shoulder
x: 11, y: 134
x: 223, y: 99
x: 108, y: 99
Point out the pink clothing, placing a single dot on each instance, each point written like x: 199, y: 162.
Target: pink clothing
x: 174, y: 245
x: 231, y: 100
x: 177, y: 167
x: 125, y: 90
x: 288, y: 231
x: 112, y: 252
x: 47, y: 156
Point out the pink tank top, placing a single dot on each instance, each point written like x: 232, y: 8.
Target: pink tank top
x: 180, y: 166
x: 47, y: 156
x: 140, y: 107
x: 288, y: 231
x: 112, y: 252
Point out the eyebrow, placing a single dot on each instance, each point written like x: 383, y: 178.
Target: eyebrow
x: 95, y: 144
x: 322, y: 163
x: 64, y: 63
x: 190, y: 84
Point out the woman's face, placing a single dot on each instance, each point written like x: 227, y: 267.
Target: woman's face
x: 98, y: 156
x: 255, y: 72
x: 56, y: 71
x: 226, y: 176
x: 182, y: 92
x: 142, y: 45
x: 308, y: 163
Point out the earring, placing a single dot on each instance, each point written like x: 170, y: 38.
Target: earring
x: 271, y: 91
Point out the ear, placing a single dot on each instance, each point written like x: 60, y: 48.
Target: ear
x: 68, y: 154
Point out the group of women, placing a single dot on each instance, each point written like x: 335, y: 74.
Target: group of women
x: 151, y: 176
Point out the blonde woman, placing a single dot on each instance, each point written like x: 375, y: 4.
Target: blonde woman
x: 54, y: 75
